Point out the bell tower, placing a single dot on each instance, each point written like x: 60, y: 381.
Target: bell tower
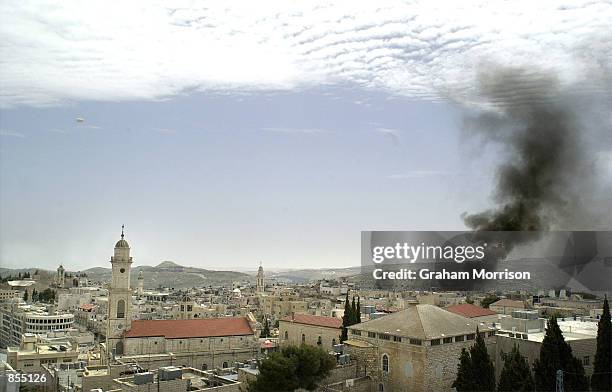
x: 119, y: 316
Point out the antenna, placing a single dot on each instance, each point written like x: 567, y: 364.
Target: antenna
x: 122, y: 227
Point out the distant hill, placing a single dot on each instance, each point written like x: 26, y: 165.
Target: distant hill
x: 308, y: 275
x: 171, y: 274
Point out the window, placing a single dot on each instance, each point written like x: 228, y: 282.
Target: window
x: 416, y: 342
x: 459, y: 338
x: 381, y: 387
x: 119, y: 348
x: 397, y: 338
x: 435, y: 342
x: 333, y: 342
x: 303, y: 338
x: 384, y: 336
x: 371, y: 334
x: 204, y: 366
x: 492, y: 333
x: 470, y: 336
x: 447, y: 340
x: 121, y: 309
x: 355, y: 332
x: 225, y: 365
x: 586, y: 361
x: 385, y: 363
x: 286, y: 335
x: 319, y: 341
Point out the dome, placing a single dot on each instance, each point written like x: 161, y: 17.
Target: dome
x: 122, y: 244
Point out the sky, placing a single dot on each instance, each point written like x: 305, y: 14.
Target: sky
x: 272, y: 132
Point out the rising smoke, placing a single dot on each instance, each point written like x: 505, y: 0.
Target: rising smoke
x: 543, y: 161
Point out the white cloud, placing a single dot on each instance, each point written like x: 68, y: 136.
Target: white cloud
x: 9, y: 133
x: 294, y: 130
x: 59, y: 52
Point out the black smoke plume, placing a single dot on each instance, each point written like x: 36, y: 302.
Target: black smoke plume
x: 542, y: 151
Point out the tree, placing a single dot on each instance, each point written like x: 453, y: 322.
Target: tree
x: 465, y: 378
x: 488, y: 300
x: 516, y: 375
x: 354, y: 312
x: 482, y: 366
x: 358, y: 310
x: 25, y: 295
x: 346, y: 320
x: 602, y: 368
x: 556, y: 354
x: 265, y: 332
x: 293, y: 368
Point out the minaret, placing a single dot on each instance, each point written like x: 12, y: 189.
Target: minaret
x: 140, y: 283
x: 260, y: 288
x: 60, y: 278
x: 119, y: 314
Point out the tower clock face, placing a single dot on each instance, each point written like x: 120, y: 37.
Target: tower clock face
x: 120, y: 326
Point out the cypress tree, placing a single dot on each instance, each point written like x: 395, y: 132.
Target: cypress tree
x: 482, y: 366
x: 265, y: 332
x: 358, y: 310
x: 515, y: 375
x: 25, y: 295
x: 465, y: 378
x: 353, y: 312
x: 556, y: 354
x: 602, y: 369
x: 345, y: 319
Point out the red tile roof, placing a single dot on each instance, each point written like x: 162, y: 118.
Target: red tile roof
x: 469, y: 310
x: 195, y: 328
x: 320, y: 321
x: 87, y: 307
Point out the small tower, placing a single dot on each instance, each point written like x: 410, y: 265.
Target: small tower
x: 140, y: 283
x: 119, y: 314
x: 60, y: 277
x: 260, y: 286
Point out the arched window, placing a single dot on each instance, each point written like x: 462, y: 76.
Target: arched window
x: 286, y: 335
x: 303, y: 338
x: 121, y: 309
x: 381, y: 387
x: 333, y: 342
x: 225, y: 365
x: 385, y: 363
x: 119, y: 348
x: 204, y: 366
x: 319, y: 341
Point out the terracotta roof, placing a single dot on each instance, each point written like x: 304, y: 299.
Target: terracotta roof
x: 87, y: 307
x: 469, y: 310
x: 510, y: 303
x: 321, y: 321
x: 194, y: 328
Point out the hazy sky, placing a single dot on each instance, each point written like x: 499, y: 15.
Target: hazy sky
x: 269, y: 131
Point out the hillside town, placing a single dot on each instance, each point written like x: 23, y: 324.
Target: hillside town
x: 69, y: 333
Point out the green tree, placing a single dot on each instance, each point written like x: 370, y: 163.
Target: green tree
x: 516, y: 375
x: 358, y: 310
x: 465, y: 379
x: 265, y: 332
x: 602, y: 369
x: 488, y: 300
x: 25, y: 295
x: 346, y: 319
x: 354, y: 312
x: 482, y: 366
x: 556, y: 354
x: 293, y: 368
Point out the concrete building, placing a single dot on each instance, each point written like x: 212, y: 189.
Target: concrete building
x: 32, y: 354
x: 318, y: 331
x: 507, y: 306
x: 416, y: 349
x: 526, y: 330
x: 19, y: 319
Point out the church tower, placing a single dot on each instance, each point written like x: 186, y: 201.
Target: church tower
x: 60, y: 277
x: 260, y: 287
x: 140, y: 283
x: 119, y: 314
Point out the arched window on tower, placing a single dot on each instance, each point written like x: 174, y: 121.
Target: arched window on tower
x: 121, y: 309
x: 119, y: 348
x: 385, y: 363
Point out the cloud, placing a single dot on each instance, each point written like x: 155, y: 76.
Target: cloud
x: 295, y: 130
x: 9, y: 133
x: 57, y: 53
x: 420, y: 174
